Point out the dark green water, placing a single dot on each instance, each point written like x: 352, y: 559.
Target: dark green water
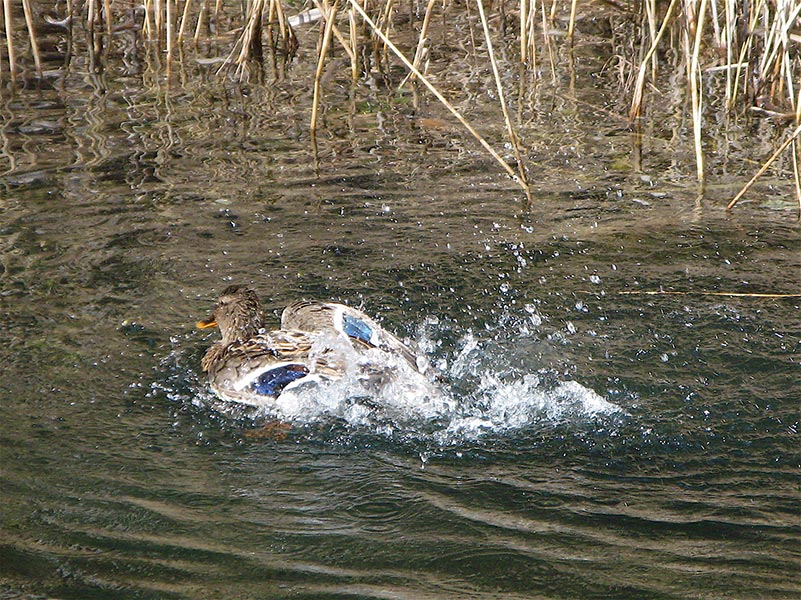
x: 594, y: 444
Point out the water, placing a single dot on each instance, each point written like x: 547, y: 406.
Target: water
x: 585, y: 443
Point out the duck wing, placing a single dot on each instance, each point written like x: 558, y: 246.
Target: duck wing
x: 306, y: 315
x: 267, y: 363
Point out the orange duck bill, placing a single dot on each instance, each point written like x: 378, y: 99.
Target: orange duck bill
x: 210, y: 322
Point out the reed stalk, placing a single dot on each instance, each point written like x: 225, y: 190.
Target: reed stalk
x: 730, y: 33
x: 90, y: 16
x: 250, y: 34
x: 470, y: 29
x: 745, y: 51
x: 217, y: 9
x: 423, y: 41
x: 521, y: 170
x: 70, y: 25
x: 348, y: 45
x: 272, y: 17
x: 288, y: 40
x: 696, y: 77
x: 169, y: 33
x: 184, y: 20
x: 649, y: 18
x: 203, y: 12
x: 107, y: 15
x: 12, y: 59
x: 384, y: 20
x: 354, y: 59
x: 28, y: 12
x: 148, y: 25
x: 329, y: 17
x: 531, y: 34
x: 524, y: 32
x: 388, y: 43
x: 158, y: 14
x: 547, y: 39
x: 765, y: 167
x: 571, y: 26
x: 636, y: 101
x: 797, y: 173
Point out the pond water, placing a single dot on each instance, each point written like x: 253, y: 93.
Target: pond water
x: 590, y: 443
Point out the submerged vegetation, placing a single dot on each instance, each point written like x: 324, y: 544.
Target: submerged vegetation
x: 731, y: 61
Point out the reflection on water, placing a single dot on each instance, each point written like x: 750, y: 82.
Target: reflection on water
x: 583, y: 443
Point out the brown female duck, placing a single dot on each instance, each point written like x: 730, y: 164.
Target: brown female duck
x: 254, y: 366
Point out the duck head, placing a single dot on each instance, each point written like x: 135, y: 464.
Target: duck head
x: 237, y: 314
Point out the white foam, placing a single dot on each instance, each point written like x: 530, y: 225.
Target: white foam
x: 502, y: 407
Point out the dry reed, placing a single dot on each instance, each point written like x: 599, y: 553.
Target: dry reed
x: 329, y: 16
x: 753, y: 48
x: 766, y: 166
x: 9, y: 27
x: 513, y: 138
x: 523, y: 184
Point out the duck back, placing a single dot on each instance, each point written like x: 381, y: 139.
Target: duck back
x: 307, y: 315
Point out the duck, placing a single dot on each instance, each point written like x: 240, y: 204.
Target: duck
x: 317, y: 342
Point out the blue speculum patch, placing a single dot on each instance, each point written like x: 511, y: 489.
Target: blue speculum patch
x: 356, y: 328
x: 272, y: 382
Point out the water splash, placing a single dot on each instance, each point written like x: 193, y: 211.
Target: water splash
x: 470, y: 394
x: 504, y: 407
